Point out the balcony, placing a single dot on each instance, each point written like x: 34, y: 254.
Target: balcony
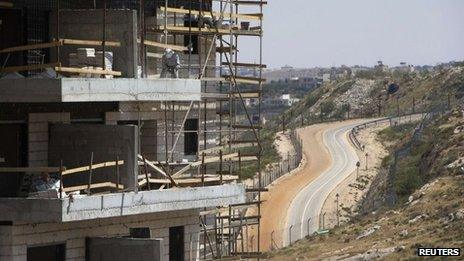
x: 98, y: 90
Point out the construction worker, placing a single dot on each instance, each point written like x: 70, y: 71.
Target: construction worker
x: 171, y: 64
x: 45, y: 182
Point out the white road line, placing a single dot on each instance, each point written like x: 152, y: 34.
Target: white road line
x: 309, y: 201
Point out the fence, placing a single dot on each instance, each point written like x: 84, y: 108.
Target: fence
x: 291, y: 162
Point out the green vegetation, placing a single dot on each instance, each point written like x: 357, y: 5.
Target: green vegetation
x: 424, y: 157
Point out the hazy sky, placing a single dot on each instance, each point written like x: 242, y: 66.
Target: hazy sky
x: 307, y: 33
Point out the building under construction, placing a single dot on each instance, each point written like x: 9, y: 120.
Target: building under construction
x: 101, y: 158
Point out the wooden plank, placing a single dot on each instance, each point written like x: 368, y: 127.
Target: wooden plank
x: 255, y: 17
x: 30, y: 169
x: 73, y: 70
x: 213, y: 79
x: 5, y: 4
x: 93, y: 186
x: 153, y: 166
x: 166, y: 46
x: 247, y: 95
x: 29, y: 67
x: 253, y: 65
x: 31, y: 47
x: 94, y: 166
x: 90, y: 42
x: 247, y: 80
x: 196, y: 30
x: 250, y: 2
x: 154, y: 181
x: 207, y: 180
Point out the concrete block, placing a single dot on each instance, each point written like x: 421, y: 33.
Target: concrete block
x: 38, y: 137
x: 75, y: 252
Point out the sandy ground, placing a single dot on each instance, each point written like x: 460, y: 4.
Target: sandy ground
x: 277, y: 201
x: 352, y: 189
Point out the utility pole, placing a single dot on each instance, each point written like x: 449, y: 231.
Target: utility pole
x: 283, y: 123
x: 398, y: 106
x: 323, y: 221
x: 358, y: 164
x: 321, y: 114
x: 338, y: 212
x: 290, y: 235
x: 348, y: 110
x: 309, y: 219
x: 367, y: 155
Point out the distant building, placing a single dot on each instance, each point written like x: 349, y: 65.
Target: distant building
x: 406, y: 68
x: 286, y: 67
x: 326, y: 77
x: 285, y: 100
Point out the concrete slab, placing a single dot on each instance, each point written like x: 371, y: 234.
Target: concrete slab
x: 119, y: 204
x: 99, y: 90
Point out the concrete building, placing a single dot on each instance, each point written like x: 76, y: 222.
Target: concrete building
x: 132, y: 153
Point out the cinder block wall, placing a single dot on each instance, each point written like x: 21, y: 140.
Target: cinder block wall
x: 15, y: 239
x: 39, y: 137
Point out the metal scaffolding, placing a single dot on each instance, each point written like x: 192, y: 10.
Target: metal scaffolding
x: 228, y: 230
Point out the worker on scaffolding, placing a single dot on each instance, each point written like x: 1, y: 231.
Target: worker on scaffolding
x: 171, y: 64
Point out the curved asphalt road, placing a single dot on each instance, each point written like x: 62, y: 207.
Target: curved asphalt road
x: 309, y: 201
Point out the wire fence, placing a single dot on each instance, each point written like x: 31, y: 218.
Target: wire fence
x: 287, y: 165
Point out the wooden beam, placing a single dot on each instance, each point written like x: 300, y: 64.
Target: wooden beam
x: 247, y: 80
x: 245, y: 95
x: 250, y: 2
x: 31, y: 47
x: 73, y: 70
x: 30, y: 169
x: 153, y: 166
x: 196, y: 30
x: 90, y: 42
x: 213, y: 79
x: 166, y: 46
x: 29, y: 67
x: 94, y: 166
x: 93, y: 186
x: 183, y: 182
x: 246, y: 65
x: 231, y: 156
x: 255, y: 17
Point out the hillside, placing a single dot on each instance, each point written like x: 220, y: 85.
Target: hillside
x: 365, y: 95
x: 418, y: 198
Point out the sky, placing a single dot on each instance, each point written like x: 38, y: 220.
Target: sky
x: 310, y: 33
